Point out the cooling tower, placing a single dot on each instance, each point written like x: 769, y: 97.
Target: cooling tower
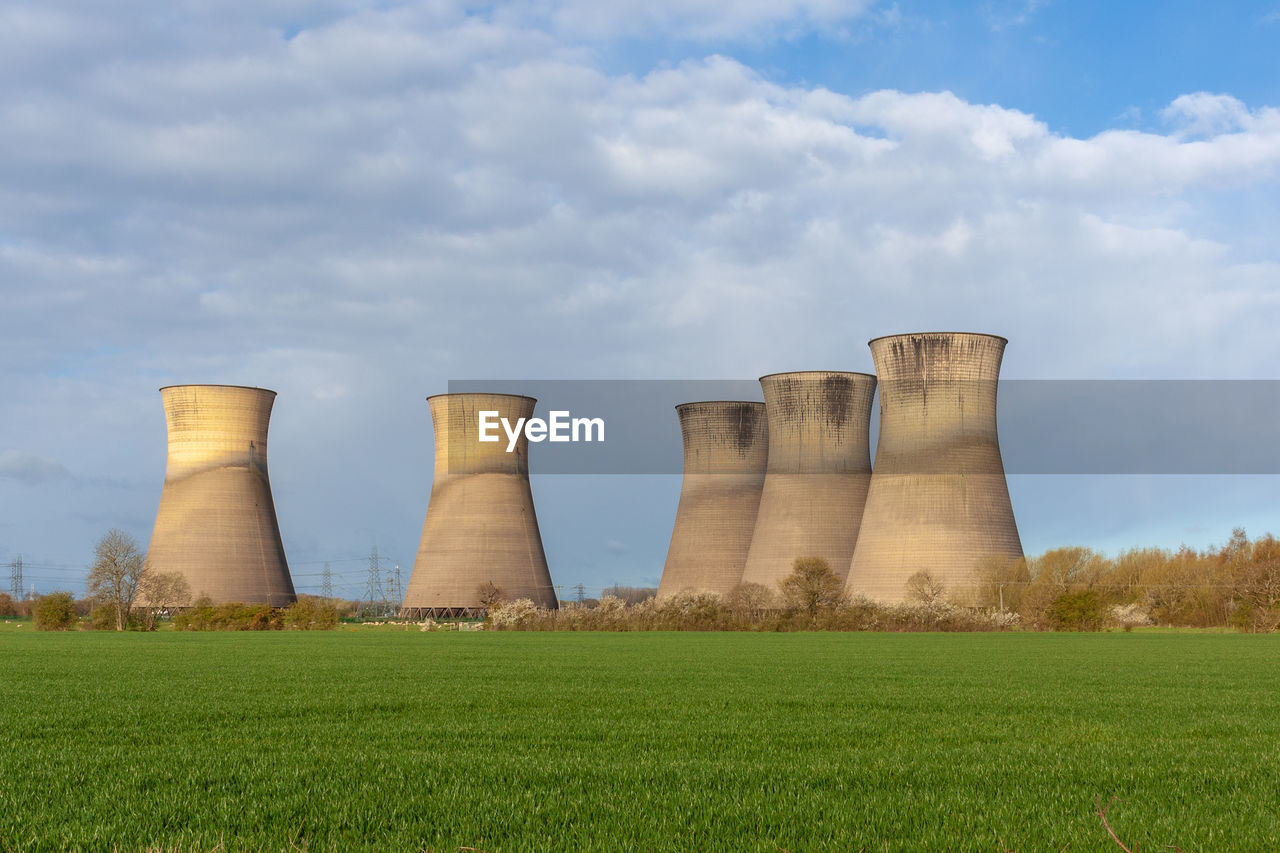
x: 480, y: 526
x: 938, y: 500
x: 725, y: 447
x: 819, y: 469
x: 216, y: 525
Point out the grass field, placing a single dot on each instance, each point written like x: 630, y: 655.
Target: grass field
x: 562, y: 741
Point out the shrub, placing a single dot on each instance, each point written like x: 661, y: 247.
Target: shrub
x: 103, y: 618
x: 264, y: 618
x: 630, y: 594
x: 55, y: 612
x: 1003, y: 620
x: 1129, y: 616
x: 945, y: 616
x: 231, y: 616
x: 309, y: 613
x: 8, y: 608
x: 811, y: 586
x: 513, y: 614
x: 1247, y: 616
x: 693, y: 611
x: 1081, y: 610
x: 701, y: 611
x: 609, y: 614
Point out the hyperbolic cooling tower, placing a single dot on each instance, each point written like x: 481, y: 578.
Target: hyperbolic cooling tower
x: 216, y: 525
x: 480, y: 526
x: 938, y: 500
x: 818, y: 473
x: 725, y: 448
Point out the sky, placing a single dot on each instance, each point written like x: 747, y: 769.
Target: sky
x: 355, y: 203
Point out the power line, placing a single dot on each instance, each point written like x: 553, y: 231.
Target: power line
x: 53, y: 567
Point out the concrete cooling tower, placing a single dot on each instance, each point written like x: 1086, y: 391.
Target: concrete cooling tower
x: 216, y: 525
x: 480, y: 526
x: 725, y: 448
x: 818, y: 473
x: 938, y: 500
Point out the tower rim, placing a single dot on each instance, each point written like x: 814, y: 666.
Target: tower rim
x: 816, y: 373
x: 923, y: 334
x: 481, y: 394
x: 216, y: 385
x: 679, y: 406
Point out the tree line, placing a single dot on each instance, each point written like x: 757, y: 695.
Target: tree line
x: 1235, y: 585
x: 125, y: 593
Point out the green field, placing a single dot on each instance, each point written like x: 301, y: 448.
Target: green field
x: 563, y: 741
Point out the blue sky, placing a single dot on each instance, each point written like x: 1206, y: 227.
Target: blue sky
x: 1081, y: 67
x: 353, y: 203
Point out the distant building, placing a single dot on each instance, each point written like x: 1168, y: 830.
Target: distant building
x: 938, y: 500
x: 725, y: 448
x: 216, y: 524
x: 818, y: 472
x: 481, y: 527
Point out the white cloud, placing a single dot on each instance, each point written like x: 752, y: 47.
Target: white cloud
x: 310, y: 194
x: 389, y: 170
x: 1205, y: 114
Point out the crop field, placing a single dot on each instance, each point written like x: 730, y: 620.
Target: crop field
x: 408, y: 741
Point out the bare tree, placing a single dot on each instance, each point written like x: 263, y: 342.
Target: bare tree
x: 1257, y: 589
x: 924, y: 588
x: 630, y: 594
x: 1002, y: 580
x: 160, y: 592
x: 811, y: 586
x: 749, y: 599
x: 117, y: 569
x: 489, y: 594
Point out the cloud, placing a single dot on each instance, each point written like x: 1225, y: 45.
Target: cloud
x: 1205, y: 114
x: 388, y: 173
x: 30, y: 469
x: 383, y: 176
